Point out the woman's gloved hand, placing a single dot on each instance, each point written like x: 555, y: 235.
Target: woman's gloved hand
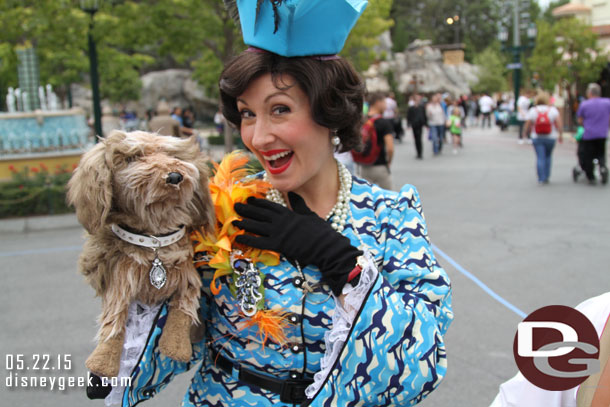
x: 299, y: 235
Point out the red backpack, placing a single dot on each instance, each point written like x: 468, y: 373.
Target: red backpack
x: 370, y: 152
x: 543, y: 123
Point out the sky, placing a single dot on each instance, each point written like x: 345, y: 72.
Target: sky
x: 543, y: 3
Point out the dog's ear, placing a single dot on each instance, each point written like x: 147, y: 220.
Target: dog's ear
x: 90, y: 188
x: 205, y: 215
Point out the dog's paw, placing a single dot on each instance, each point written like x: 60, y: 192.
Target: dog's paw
x: 176, y: 347
x: 96, y: 389
x: 106, y: 357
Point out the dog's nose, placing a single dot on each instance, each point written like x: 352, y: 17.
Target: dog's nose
x: 173, y: 178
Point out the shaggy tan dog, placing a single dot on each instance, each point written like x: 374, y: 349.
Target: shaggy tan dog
x: 149, y: 185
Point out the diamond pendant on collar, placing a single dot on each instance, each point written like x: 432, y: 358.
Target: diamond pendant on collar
x: 157, y: 274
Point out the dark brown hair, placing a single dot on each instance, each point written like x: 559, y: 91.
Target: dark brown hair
x: 334, y: 88
x: 375, y: 97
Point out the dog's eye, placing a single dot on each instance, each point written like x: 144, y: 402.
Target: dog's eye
x: 131, y: 159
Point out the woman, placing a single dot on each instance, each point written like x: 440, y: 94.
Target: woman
x: 436, y: 123
x: 544, y: 122
x: 366, y: 303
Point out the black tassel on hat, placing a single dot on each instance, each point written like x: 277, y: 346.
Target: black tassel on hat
x: 231, y: 6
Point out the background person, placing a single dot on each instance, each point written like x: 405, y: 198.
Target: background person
x: 391, y: 115
x: 594, y: 116
x: 219, y: 122
x: 416, y: 117
x: 163, y: 123
x: 486, y: 107
x: 436, y: 123
x: 188, y: 118
x: 109, y: 121
x: 543, y: 141
x: 379, y: 172
x: 523, y: 106
x: 454, y: 123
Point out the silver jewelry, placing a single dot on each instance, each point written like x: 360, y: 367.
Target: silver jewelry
x: 248, y: 283
x: 157, y: 273
x: 340, y: 211
x: 335, y: 140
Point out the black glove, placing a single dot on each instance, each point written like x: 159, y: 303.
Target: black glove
x: 299, y: 235
x: 97, y: 390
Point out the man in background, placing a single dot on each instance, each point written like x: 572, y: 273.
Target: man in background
x: 523, y: 106
x: 391, y: 115
x: 486, y: 105
x: 416, y: 117
x: 163, y: 123
x: 594, y: 116
x: 379, y: 172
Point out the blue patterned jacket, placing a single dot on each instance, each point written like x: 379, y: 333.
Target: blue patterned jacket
x: 388, y: 351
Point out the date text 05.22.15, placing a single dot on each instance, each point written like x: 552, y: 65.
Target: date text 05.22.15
x: 38, y: 361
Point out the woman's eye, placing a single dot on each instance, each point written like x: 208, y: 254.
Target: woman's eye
x: 246, y: 114
x: 281, y: 109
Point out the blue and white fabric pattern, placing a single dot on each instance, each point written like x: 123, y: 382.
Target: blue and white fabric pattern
x: 383, y: 346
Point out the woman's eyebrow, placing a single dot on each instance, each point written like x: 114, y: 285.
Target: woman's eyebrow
x: 279, y: 93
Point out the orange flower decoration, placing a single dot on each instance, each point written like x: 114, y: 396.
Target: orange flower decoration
x: 230, y: 185
x: 271, y: 325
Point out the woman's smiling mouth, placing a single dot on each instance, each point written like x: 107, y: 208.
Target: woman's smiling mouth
x: 277, y: 161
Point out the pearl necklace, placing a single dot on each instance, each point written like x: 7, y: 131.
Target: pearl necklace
x: 340, y: 211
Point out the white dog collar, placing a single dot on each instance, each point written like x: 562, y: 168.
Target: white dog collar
x: 148, y: 240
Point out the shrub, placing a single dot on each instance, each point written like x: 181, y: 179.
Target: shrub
x: 35, y: 191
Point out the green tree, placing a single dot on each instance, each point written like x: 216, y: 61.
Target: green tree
x: 364, y: 36
x: 415, y: 19
x: 137, y: 36
x: 58, y: 31
x: 492, y: 70
x: 566, y: 53
x: 54, y: 29
x: 548, y: 13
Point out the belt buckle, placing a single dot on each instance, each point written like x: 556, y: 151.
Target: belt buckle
x: 293, y: 391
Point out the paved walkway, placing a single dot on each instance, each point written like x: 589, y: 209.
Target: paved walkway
x: 531, y: 245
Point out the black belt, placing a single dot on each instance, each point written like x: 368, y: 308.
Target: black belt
x: 290, y: 390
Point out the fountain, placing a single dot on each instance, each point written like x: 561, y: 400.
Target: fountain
x: 49, y: 135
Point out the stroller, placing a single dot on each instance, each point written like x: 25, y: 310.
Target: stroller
x: 599, y: 165
x: 598, y: 169
x: 502, y: 117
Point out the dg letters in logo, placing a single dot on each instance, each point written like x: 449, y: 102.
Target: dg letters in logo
x: 556, y: 348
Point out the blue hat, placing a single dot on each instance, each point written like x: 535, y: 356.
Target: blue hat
x: 299, y: 27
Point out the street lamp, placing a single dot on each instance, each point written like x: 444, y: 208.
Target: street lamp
x: 91, y: 7
x: 532, y: 32
x: 454, y: 21
x: 503, y: 34
x: 517, y: 49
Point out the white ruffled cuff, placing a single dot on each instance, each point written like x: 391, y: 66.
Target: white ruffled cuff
x: 343, y: 319
x: 139, y: 322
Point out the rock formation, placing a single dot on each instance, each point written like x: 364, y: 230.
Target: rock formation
x: 176, y: 86
x: 420, y: 68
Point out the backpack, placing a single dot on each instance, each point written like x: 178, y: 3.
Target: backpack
x: 543, y: 123
x: 371, y: 151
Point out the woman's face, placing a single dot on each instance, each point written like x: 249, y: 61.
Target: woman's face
x: 277, y: 126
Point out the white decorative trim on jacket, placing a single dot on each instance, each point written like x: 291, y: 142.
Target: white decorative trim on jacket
x: 343, y: 320
x: 140, y: 319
